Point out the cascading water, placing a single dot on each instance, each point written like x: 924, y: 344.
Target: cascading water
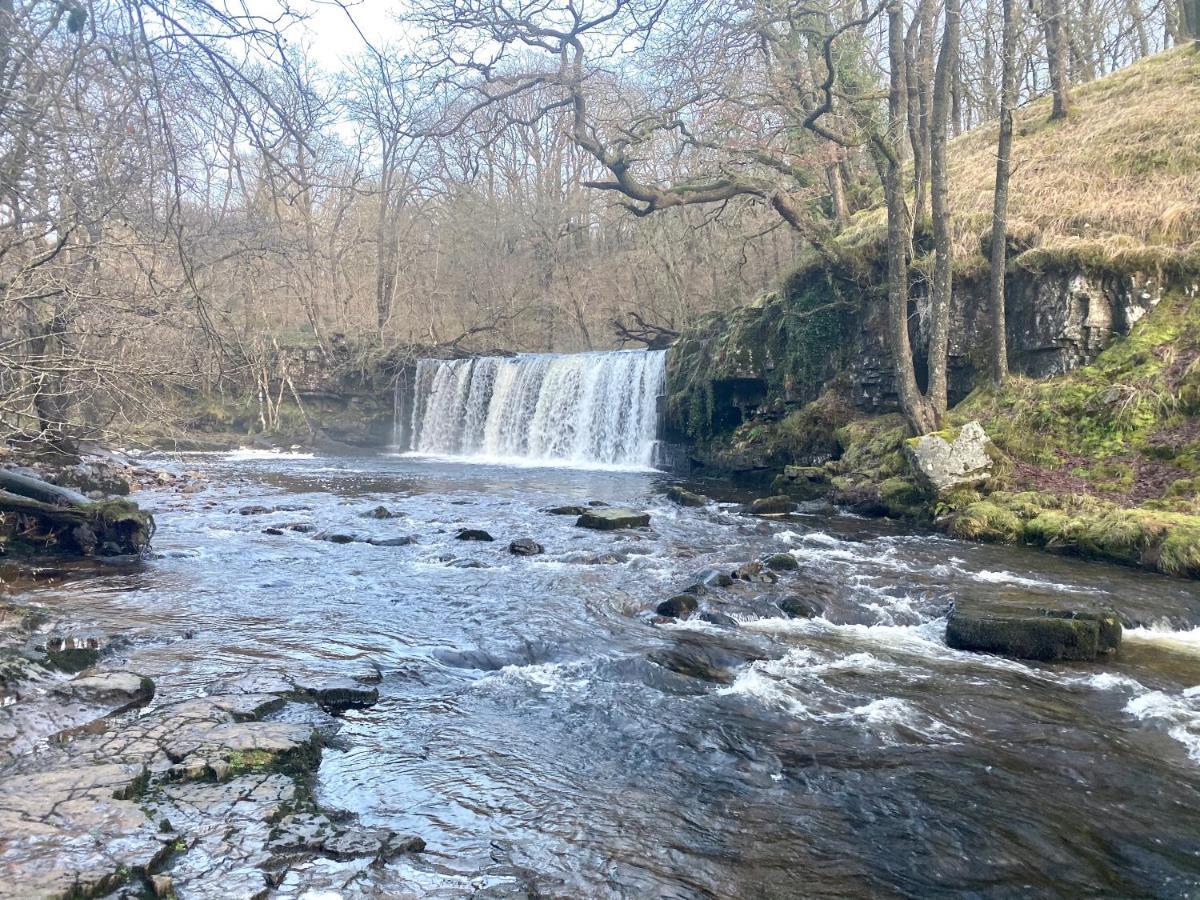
x: 580, y: 409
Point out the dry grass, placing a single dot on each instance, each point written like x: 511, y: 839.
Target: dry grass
x: 1118, y: 182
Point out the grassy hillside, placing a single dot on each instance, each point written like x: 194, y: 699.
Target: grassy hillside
x: 1116, y: 184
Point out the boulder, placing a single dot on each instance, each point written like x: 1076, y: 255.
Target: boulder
x: 567, y: 510
x: 526, y: 547
x: 803, y: 482
x: 780, y: 505
x: 611, y: 518
x: 800, y: 608
x: 473, y: 534
x: 1035, y: 634
x: 678, y: 607
x: 719, y: 619
x: 714, y: 578
x: 781, y: 562
x: 381, y: 512
x: 945, y: 460
x: 401, y: 541
x: 74, y: 652
x: 337, y: 694
x: 684, y: 497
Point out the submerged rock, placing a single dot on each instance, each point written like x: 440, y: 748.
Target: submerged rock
x: 336, y: 537
x: 780, y: 505
x: 684, y: 497
x: 1035, y: 634
x: 612, y: 518
x: 678, y: 607
x: 473, y: 534
x: 799, y: 608
x: 567, y: 510
x: 719, y: 619
x: 74, y: 652
x: 401, y: 541
x: 945, y: 460
x: 525, y: 547
x: 381, y: 512
x: 708, y: 657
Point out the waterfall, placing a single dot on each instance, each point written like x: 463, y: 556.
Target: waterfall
x: 578, y: 409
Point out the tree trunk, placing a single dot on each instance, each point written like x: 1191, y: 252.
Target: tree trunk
x: 920, y: 416
x: 941, y: 291
x: 1190, y: 20
x: 1008, y: 101
x: 1056, y: 53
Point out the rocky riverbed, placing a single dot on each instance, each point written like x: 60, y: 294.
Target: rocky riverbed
x: 393, y: 677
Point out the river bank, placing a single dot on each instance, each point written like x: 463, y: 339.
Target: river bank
x: 518, y: 695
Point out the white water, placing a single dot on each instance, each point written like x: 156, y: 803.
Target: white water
x: 587, y: 409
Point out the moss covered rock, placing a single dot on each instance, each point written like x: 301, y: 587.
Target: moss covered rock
x: 1044, y: 635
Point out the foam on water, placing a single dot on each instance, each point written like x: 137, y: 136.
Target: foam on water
x: 1180, y: 714
x: 244, y: 454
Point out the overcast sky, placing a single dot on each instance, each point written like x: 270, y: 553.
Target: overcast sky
x: 328, y: 31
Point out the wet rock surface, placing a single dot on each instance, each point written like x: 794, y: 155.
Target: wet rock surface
x: 613, y: 518
x: 199, y: 795
x: 1037, y: 634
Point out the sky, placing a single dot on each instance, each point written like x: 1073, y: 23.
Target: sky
x: 328, y: 32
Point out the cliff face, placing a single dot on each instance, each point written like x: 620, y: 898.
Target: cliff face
x: 824, y: 330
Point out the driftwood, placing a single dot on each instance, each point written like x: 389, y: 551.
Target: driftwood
x: 48, y: 518
x: 36, y: 489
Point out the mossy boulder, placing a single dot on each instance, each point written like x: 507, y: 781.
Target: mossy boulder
x: 683, y: 497
x: 779, y: 505
x: 1035, y: 634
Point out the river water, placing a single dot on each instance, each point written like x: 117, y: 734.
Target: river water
x: 534, y: 728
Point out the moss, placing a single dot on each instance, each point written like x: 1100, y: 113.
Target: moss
x: 903, y: 499
x: 1180, y: 551
x: 243, y: 761
x: 987, y: 521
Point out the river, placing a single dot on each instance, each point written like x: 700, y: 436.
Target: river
x: 537, y: 728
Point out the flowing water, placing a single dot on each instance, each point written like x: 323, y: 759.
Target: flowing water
x: 533, y: 726
x: 582, y: 408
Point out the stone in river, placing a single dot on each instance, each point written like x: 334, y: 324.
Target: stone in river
x: 336, y: 537
x: 684, y: 497
x: 1031, y: 633
x: 678, y: 607
x: 611, y: 518
x: 781, y: 562
x: 799, y: 608
x: 708, y: 657
x: 119, y: 690
x: 773, y: 506
x: 525, y: 547
x: 74, y: 652
x: 338, y: 694
x: 719, y: 619
x: 473, y: 534
x: 567, y: 510
x: 402, y: 541
x: 381, y: 512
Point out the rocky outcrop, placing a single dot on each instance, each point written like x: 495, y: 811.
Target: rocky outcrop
x: 775, y: 356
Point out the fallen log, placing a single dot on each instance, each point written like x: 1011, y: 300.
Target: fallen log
x: 36, y: 489
x: 47, y: 518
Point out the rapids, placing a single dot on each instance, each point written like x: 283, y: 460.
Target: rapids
x: 527, y: 730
